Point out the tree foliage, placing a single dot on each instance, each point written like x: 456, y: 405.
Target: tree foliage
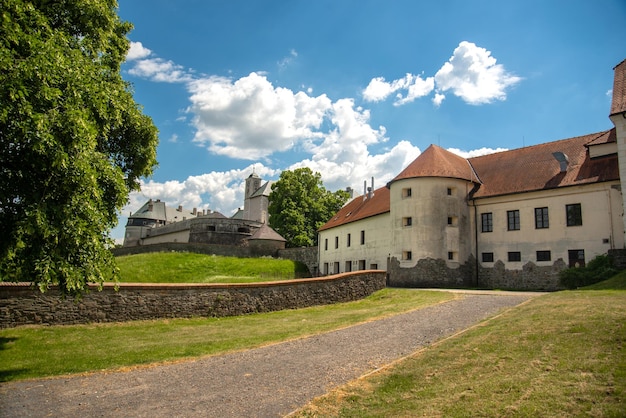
x: 299, y: 205
x: 73, y: 142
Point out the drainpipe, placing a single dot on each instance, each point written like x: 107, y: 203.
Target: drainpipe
x: 473, y: 202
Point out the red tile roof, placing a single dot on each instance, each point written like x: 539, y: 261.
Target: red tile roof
x: 437, y: 162
x: 535, y: 168
x: 360, y: 208
x: 618, y: 105
x: 517, y: 171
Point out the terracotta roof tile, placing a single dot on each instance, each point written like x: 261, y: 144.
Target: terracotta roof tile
x: 618, y: 104
x: 358, y: 209
x: 535, y: 168
x: 437, y: 162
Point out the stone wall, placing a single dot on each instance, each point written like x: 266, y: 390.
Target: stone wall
x: 435, y: 273
x: 22, y: 305
x: 305, y: 255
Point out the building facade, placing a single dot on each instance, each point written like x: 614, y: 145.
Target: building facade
x: 512, y: 219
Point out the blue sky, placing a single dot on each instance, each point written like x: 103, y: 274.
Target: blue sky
x: 358, y: 88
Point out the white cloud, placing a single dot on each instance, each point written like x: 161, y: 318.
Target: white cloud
x: 158, y: 69
x: 378, y: 89
x: 438, y: 99
x: 250, y: 118
x: 137, y: 51
x: 476, y: 152
x: 473, y: 75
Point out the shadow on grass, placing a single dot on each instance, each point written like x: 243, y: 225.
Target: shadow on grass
x: 617, y: 282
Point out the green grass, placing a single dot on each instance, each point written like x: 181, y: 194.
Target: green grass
x: 39, y: 351
x: 200, y: 268
x: 562, y: 354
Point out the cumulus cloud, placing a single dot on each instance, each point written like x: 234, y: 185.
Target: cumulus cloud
x: 473, y: 75
x: 249, y: 118
x: 158, y: 69
x: 137, y: 51
x: 378, y: 89
x: 477, y: 152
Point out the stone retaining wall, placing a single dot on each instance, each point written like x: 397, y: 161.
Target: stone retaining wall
x: 22, y: 305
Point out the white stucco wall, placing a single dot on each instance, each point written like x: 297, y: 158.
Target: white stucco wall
x: 374, y: 251
x: 601, y: 229
x: 430, y: 234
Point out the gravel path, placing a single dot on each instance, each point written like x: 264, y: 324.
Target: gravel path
x: 271, y: 381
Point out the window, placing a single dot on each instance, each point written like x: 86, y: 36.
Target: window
x: 336, y: 267
x: 576, y: 258
x: 349, y: 240
x: 515, y: 256
x: 541, y: 218
x: 348, y: 266
x: 449, y: 220
x: 574, y: 214
x: 407, y: 255
x: 544, y: 256
x: 406, y: 193
x: 374, y: 266
x: 408, y: 221
x: 362, y: 237
x: 212, y: 228
x: 326, y: 244
x: 449, y: 191
x: 453, y: 220
x: 336, y: 242
x: 512, y: 217
x: 487, y: 257
x: 450, y: 255
x: 361, y: 264
x: 487, y: 222
x: 325, y: 269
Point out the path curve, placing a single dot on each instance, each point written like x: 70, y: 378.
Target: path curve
x: 271, y: 381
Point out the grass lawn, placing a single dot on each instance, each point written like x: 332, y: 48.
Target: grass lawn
x: 39, y: 351
x: 200, y: 268
x: 562, y: 354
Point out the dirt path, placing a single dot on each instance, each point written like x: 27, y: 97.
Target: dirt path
x: 267, y: 382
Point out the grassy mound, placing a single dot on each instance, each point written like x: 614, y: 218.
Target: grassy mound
x: 201, y: 268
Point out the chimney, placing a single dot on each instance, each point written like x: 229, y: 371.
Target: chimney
x: 180, y: 208
x: 195, y: 211
x: 562, y: 159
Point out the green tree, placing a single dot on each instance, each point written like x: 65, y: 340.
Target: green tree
x: 299, y: 205
x: 73, y: 142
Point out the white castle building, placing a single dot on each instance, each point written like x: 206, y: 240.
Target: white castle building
x: 512, y: 219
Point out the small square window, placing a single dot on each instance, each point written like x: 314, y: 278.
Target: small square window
x: 487, y: 257
x: 408, y: 221
x: 544, y: 256
x: 407, y: 255
x: 406, y: 192
x: 449, y: 191
x: 515, y: 256
x: 450, y: 255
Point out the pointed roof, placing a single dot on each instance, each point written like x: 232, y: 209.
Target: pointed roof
x: 438, y: 162
x: 360, y: 208
x: 264, y: 190
x: 618, y: 104
x: 535, y: 168
x: 266, y: 233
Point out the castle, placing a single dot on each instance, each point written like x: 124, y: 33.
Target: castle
x: 157, y: 223
x: 512, y: 219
